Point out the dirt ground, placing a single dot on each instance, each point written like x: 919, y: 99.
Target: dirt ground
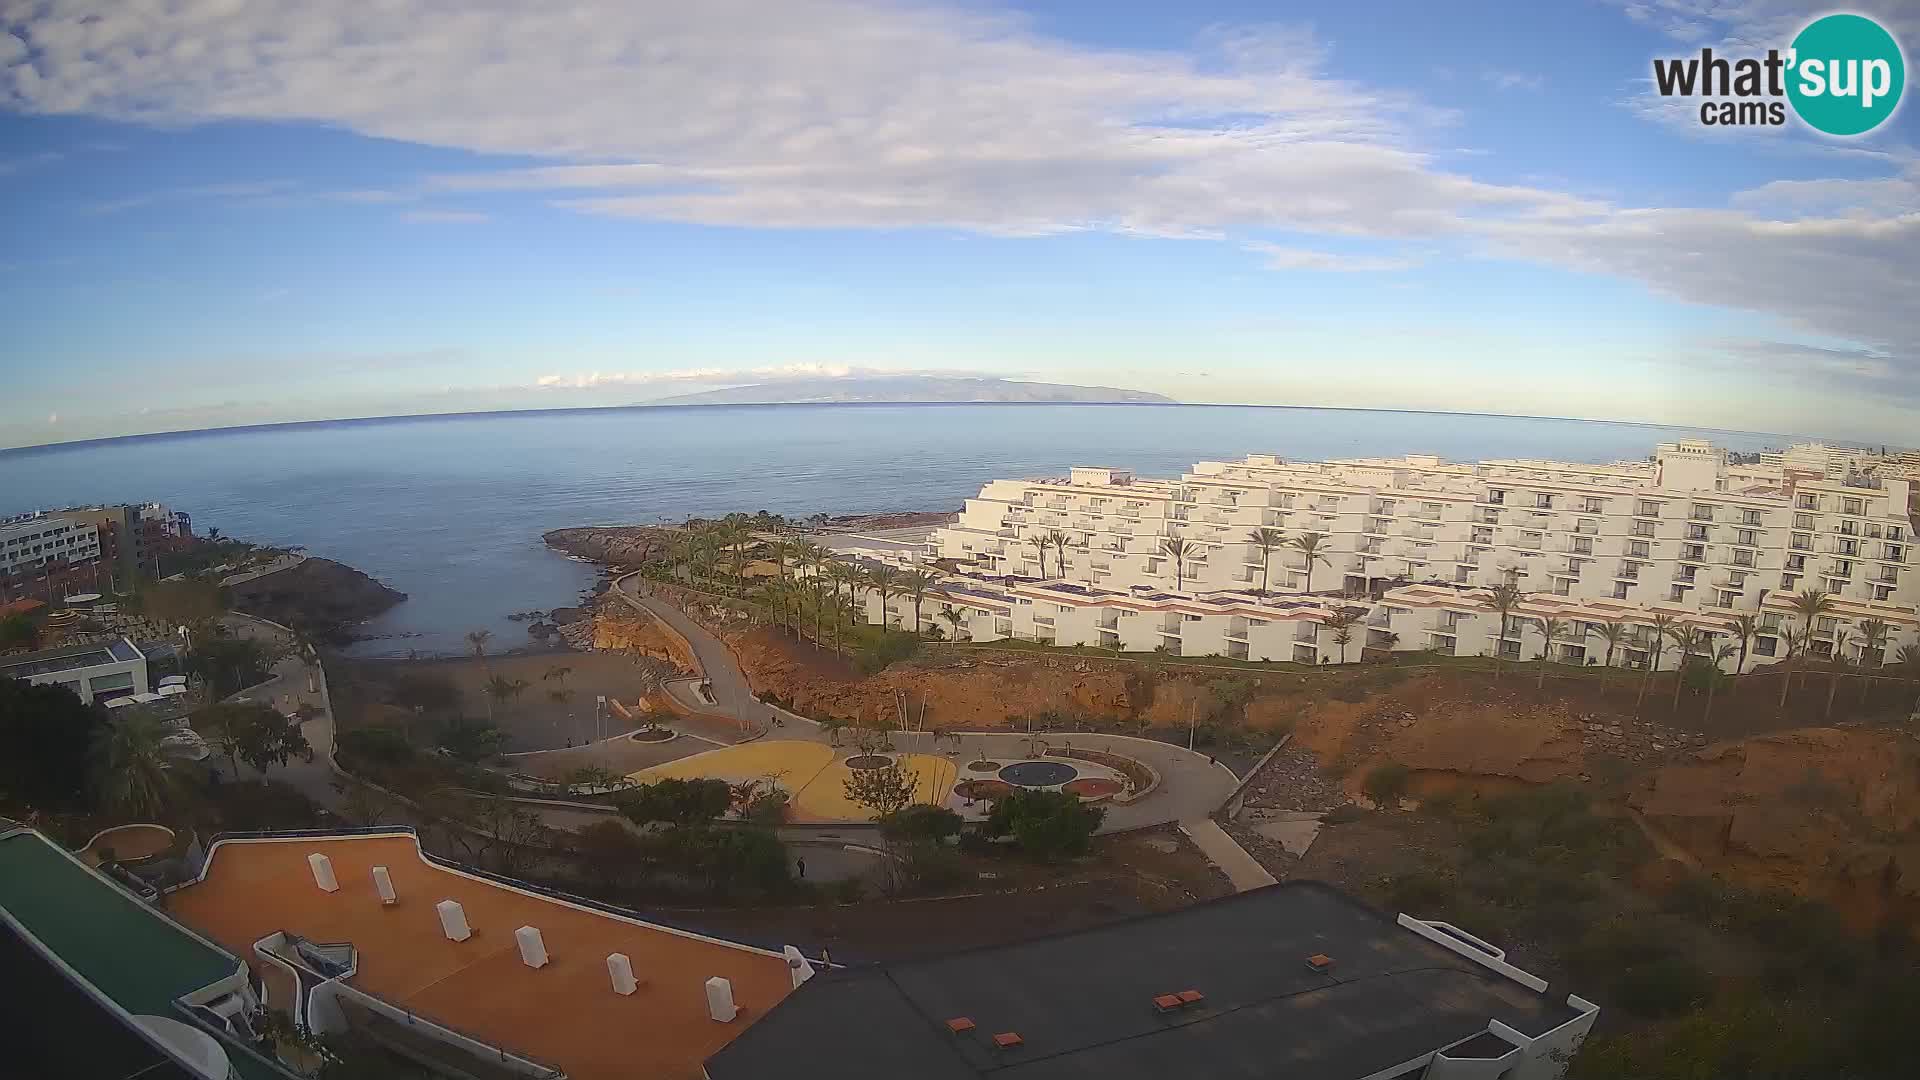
x: 532, y: 720
x: 1134, y: 874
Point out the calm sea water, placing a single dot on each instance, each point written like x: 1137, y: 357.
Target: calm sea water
x: 450, y: 509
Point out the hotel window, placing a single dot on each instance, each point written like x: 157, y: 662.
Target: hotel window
x: 1801, y: 542
x: 1639, y: 549
x: 1696, y: 532
x: 1643, y: 528
x: 1677, y: 593
x: 1701, y: 512
x: 1842, y: 568
x: 1764, y: 646
x: 1693, y: 552
x: 1582, y: 545
x: 1803, y: 521
x: 1647, y: 508
x: 1809, y: 502
x: 1496, y: 496
x: 1743, y: 558
x: 1895, y: 552
x: 1789, y: 581
x: 1883, y: 592
x: 1894, y: 533
x: 1685, y: 573
x: 1852, y: 506
x: 1543, y: 501
x: 1620, y: 590
x: 1727, y: 598
x: 1826, y: 625
x: 1746, y: 537
x: 1749, y: 517
x: 1847, y: 547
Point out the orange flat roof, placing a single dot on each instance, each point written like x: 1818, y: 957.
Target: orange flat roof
x: 564, y: 1014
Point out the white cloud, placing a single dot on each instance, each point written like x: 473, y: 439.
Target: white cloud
x: 1280, y: 257
x: 242, y: 191
x: 445, y: 217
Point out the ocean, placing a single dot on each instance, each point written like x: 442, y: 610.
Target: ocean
x: 451, y: 509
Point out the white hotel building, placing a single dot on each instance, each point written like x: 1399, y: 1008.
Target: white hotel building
x: 1416, y: 541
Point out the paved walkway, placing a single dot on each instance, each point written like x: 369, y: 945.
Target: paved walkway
x: 1220, y: 849
x: 1191, y: 786
x: 295, y: 682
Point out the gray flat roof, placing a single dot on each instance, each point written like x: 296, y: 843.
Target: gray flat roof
x: 68, y: 658
x: 1083, y: 1004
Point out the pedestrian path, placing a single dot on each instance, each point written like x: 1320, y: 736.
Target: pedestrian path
x: 1224, y: 852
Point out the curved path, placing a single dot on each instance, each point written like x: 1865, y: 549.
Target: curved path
x: 1192, y: 786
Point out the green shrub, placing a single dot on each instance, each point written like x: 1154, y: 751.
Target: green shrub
x: 1665, y: 987
x: 889, y: 648
x: 1045, y: 824
x: 1386, y: 784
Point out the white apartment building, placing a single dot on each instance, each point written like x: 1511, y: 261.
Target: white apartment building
x: 1415, y: 543
x: 31, y: 544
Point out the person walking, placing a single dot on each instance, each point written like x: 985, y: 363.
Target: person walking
x: 801, y: 865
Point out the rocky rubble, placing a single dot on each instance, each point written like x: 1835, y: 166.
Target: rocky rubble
x: 319, y: 597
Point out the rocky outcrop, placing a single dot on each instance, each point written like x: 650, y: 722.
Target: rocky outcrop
x: 611, y: 545
x: 320, y: 598
x: 618, y: 628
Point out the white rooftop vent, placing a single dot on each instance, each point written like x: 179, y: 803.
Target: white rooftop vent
x: 533, y: 950
x: 453, y: 920
x: 798, y: 966
x: 620, y: 973
x: 383, y: 884
x: 322, y: 868
x: 720, y: 1004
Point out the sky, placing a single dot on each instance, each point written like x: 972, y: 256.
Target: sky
x: 220, y: 212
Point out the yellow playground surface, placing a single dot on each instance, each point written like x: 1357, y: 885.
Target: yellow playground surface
x: 814, y: 774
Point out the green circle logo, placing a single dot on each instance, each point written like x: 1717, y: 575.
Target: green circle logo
x: 1846, y: 76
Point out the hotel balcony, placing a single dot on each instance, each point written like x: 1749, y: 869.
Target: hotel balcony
x: 1307, y: 635
x: 1441, y: 643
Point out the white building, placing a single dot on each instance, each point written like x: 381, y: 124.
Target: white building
x: 96, y: 671
x: 40, y: 542
x: 1415, y: 543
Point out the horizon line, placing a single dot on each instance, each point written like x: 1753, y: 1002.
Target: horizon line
x: 472, y: 414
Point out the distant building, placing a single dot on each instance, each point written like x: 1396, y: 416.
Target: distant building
x: 33, y: 546
x: 96, y: 672
x: 1416, y: 543
x: 1293, y: 980
x: 134, y: 538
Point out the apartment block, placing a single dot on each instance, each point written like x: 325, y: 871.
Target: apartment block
x: 1103, y: 557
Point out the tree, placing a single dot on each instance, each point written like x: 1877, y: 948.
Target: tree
x: 1745, y: 627
x: 1873, y: 634
x: 477, y: 643
x: 501, y: 689
x: 471, y: 741
x: 674, y: 801
x: 130, y: 769
x: 1309, y: 544
x: 1342, y: 622
x: 1614, y: 633
x: 1550, y: 628
x: 1810, y: 605
x: 1040, y: 543
x: 1059, y: 540
x: 915, y: 583
x: 46, y: 734
x: 1691, y: 641
x: 884, y: 580
x: 256, y: 734
x: 955, y: 618
x: 187, y: 602
x: 611, y: 852
x: 1659, y: 625
x: 1909, y: 660
x: 1178, y: 550
x: 1266, y: 540
x: 1045, y: 824
x: 839, y: 574
x: 1503, y: 597
x: 1714, y: 676
x: 915, y: 838
x: 232, y: 663
x: 885, y: 791
x: 18, y: 632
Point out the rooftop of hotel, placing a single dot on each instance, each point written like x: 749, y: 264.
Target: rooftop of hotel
x: 68, y: 658
x: 1084, y: 1004
x: 565, y: 1013
x: 134, y: 956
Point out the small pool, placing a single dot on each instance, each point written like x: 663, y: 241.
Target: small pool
x: 1038, y: 774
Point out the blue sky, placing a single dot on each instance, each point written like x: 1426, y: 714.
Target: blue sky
x: 221, y: 212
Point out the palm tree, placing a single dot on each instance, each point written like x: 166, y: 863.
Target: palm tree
x: 1745, y: 628
x: 954, y: 617
x: 1909, y: 660
x: 1873, y: 634
x: 477, y: 641
x: 884, y: 580
x: 1505, y: 597
x: 839, y: 574
x: 782, y: 551
x: 1308, y: 544
x: 1691, y: 641
x: 1039, y: 543
x: 1549, y: 629
x: 1059, y: 540
x: 1177, y: 550
x: 131, y: 773
x: 1795, y: 643
x: 914, y: 583
x: 501, y: 689
x: 1266, y: 540
x: 1342, y: 623
x: 1714, y: 675
x: 1810, y: 605
x: 1659, y: 625
x: 1614, y: 633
